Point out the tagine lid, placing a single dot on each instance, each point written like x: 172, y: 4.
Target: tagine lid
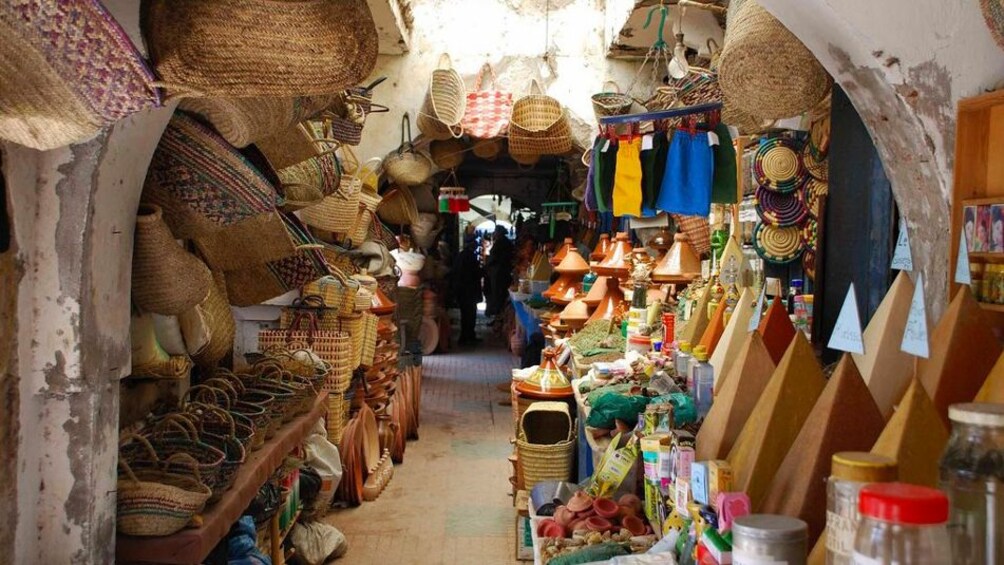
x: 548, y: 381
x: 680, y: 264
x: 602, y: 248
x: 559, y: 255
x: 573, y: 264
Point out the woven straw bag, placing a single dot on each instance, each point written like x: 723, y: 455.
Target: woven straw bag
x: 445, y: 102
x: 488, y: 110
x: 406, y: 165
x: 154, y: 501
x: 332, y: 347
x: 487, y: 149
x: 166, y: 279
x: 338, y: 212
x: 289, y: 146
x: 307, y: 183
x: 765, y: 71
x: 539, y: 125
x: 546, y: 450
x: 260, y: 47
x: 448, y: 153
x: 347, y: 116
x: 60, y: 82
x: 291, y: 317
x: 368, y: 203
x: 212, y: 194
x: 611, y: 102
x: 243, y: 121
x: 219, y: 320
x: 370, y: 322
x: 398, y: 207
x: 337, y: 290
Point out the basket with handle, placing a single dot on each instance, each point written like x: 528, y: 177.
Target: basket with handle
x: 327, y: 318
x: 243, y: 121
x: 488, y: 110
x: 333, y: 347
x: 304, y: 391
x: 338, y: 210
x: 337, y: 290
x: 347, y: 115
x: 210, y: 396
x: 405, y: 165
x: 445, y: 102
x: 545, y: 443
x: 539, y: 125
x: 154, y: 501
x: 177, y: 439
x: 611, y: 101
x: 214, y: 420
x: 183, y: 425
x: 398, y: 207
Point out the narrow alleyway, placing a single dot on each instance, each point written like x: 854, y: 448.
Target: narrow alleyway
x: 448, y: 503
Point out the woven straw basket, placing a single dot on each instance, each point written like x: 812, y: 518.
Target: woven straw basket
x: 405, y: 165
x: 398, y: 207
x: 368, y: 203
x: 611, y: 102
x: 487, y: 149
x: 83, y: 77
x: 545, y: 443
x: 539, y: 125
x: 260, y: 47
x: 765, y: 71
x: 219, y: 319
x: 338, y: 212
x: 307, y: 183
x: 448, y: 153
x: 445, y: 102
x: 166, y: 279
x: 243, y: 121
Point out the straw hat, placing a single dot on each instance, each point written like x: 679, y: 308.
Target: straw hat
x: 260, y: 47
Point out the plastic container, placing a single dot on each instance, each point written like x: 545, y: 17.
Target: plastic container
x: 850, y: 472
x: 683, y: 358
x: 768, y: 539
x: 972, y: 475
x: 703, y: 375
x: 639, y: 343
x: 902, y: 524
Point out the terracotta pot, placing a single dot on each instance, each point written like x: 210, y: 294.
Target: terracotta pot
x: 635, y: 525
x: 617, y: 262
x: 573, y: 264
x: 606, y: 507
x: 548, y: 528
x: 602, y: 248
x: 680, y: 264
x: 660, y: 243
x: 598, y: 524
x: 564, y: 516
x: 547, y: 381
x: 576, y: 313
x: 381, y: 304
x: 631, y: 500
x: 611, y: 300
x: 564, y: 289
x: 559, y: 255
x: 596, y: 292
x: 580, y: 502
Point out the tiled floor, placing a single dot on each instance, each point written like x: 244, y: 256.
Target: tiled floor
x: 448, y: 503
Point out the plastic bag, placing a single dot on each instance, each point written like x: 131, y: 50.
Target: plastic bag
x: 322, y: 455
x: 613, y: 406
x: 317, y: 543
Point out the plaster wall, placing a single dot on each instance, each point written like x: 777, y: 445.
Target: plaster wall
x: 905, y: 64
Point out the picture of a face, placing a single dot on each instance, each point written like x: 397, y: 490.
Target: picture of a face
x: 997, y: 229
x: 969, y: 226
x: 982, y: 228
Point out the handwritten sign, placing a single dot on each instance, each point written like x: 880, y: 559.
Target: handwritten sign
x: 757, y: 311
x: 847, y: 332
x: 962, y: 274
x: 915, y: 340
x: 902, y: 258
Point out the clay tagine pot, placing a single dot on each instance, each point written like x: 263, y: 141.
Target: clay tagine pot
x: 547, y: 381
x: 597, y: 292
x: 381, y: 304
x: 576, y: 313
x: 602, y: 248
x: 609, y: 303
x: 572, y: 269
x: 660, y: 243
x: 559, y: 255
x: 573, y: 264
x: 681, y: 263
x: 617, y: 263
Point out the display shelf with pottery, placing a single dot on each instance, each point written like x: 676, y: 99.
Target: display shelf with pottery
x: 776, y: 419
x: 884, y: 366
x: 844, y: 418
x: 777, y: 330
x: 570, y: 271
x: 963, y: 350
x: 733, y: 338
x: 742, y: 386
x: 610, y: 302
x: 914, y: 437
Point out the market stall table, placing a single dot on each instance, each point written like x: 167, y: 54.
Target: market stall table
x: 193, y: 545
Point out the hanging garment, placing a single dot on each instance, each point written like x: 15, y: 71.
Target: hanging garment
x: 724, y: 185
x: 653, y: 166
x: 589, y: 200
x: 627, y: 180
x: 605, y: 167
x: 686, y: 185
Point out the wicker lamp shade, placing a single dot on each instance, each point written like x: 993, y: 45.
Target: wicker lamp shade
x: 765, y: 71
x: 243, y: 121
x: 166, y: 279
x: 82, y: 77
x: 260, y: 47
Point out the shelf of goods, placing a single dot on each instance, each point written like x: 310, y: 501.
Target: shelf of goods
x: 192, y: 545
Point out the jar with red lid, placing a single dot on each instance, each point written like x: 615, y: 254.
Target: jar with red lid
x: 902, y: 524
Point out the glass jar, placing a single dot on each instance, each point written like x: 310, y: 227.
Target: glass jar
x: 972, y: 474
x: 976, y: 276
x: 901, y: 524
x: 850, y: 471
x: 768, y: 539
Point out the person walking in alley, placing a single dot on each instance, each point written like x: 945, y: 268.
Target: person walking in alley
x: 467, y: 276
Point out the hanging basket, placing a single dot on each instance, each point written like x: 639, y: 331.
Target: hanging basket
x: 445, y: 102
x: 611, y: 102
x: 448, y: 153
x: 539, y: 125
x: 243, y: 121
x: 778, y: 245
x: 405, y: 165
x: 338, y: 211
x: 166, y: 279
x: 347, y: 117
x: 778, y: 165
x: 398, y: 207
x: 487, y: 149
x: 239, y: 48
x: 765, y: 71
x: 67, y: 70
x: 488, y: 110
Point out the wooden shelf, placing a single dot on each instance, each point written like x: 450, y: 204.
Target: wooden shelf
x: 987, y: 256
x: 983, y: 201
x: 193, y: 545
x: 992, y: 307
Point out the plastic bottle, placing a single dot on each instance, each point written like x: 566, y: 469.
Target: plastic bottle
x: 902, y: 524
x: 683, y: 362
x: 704, y: 382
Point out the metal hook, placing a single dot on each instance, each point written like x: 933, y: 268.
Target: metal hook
x: 663, y: 14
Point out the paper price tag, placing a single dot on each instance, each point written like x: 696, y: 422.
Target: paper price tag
x: 606, y: 146
x: 915, y: 336
x: 962, y: 274
x: 902, y: 258
x: 847, y: 331
x: 646, y: 142
x: 713, y: 139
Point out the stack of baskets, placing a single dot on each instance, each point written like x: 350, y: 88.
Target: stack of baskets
x: 545, y: 443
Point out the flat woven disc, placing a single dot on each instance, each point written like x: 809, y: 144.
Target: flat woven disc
x: 778, y: 245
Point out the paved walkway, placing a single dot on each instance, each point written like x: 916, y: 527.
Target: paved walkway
x: 449, y: 501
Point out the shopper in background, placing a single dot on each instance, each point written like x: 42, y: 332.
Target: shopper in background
x: 499, y: 271
x: 467, y: 275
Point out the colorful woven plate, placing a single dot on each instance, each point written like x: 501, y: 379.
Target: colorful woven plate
x: 778, y: 164
x: 815, y: 192
x: 809, y: 263
x: 781, y: 209
x: 778, y: 245
x: 820, y: 170
x: 810, y: 234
